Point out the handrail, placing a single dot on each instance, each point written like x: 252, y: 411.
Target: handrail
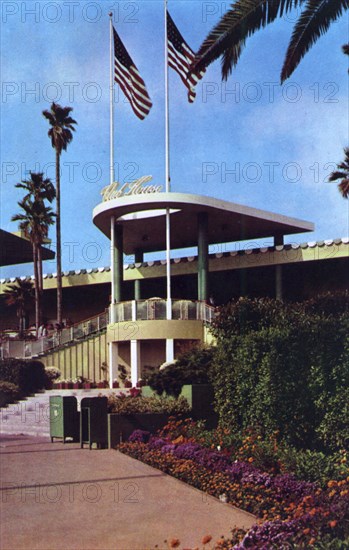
x: 67, y: 335
x: 155, y: 309
x: 140, y: 310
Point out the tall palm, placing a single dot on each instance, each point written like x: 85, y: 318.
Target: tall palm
x: 20, y: 294
x: 38, y: 189
x: 245, y: 17
x: 342, y: 174
x: 34, y: 221
x: 62, y: 126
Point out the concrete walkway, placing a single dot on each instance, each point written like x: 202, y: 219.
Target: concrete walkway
x: 57, y: 496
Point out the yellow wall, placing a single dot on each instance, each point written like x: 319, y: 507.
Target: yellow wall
x: 155, y: 330
x: 81, y: 359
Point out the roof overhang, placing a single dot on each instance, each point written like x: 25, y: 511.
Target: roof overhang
x: 16, y: 250
x: 144, y: 221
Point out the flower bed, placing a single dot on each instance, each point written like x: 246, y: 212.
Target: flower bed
x: 291, y: 511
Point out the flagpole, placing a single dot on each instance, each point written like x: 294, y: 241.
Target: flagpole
x: 111, y: 168
x: 111, y: 99
x: 167, y: 177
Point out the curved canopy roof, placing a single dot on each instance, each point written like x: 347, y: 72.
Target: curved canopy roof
x: 144, y: 222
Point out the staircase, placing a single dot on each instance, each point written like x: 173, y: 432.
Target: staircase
x: 32, y: 415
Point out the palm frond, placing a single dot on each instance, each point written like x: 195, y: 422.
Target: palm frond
x: 344, y: 188
x: 62, y: 126
x: 314, y: 21
x: 337, y: 176
x: 244, y: 18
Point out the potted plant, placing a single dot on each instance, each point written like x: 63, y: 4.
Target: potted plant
x: 127, y: 383
x: 77, y: 383
x: 116, y: 384
x: 87, y: 384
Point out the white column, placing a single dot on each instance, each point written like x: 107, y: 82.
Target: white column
x: 135, y: 361
x: 169, y: 350
x: 113, y: 362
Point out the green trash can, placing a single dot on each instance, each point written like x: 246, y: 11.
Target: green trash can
x: 94, y: 421
x: 64, y: 417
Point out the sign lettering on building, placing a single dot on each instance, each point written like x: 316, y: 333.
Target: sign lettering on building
x: 115, y: 190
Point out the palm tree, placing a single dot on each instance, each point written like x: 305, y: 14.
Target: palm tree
x: 34, y: 222
x: 62, y: 126
x: 245, y: 17
x: 20, y: 294
x: 38, y: 189
x: 342, y: 174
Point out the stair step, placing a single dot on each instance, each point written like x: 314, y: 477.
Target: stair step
x: 30, y: 416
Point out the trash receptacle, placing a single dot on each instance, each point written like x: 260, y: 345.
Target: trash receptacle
x: 64, y: 418
x: 94, y: 421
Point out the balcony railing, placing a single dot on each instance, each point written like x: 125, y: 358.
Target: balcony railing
x: 29, y: 348
x: 155, y: 309
x: 140, y: 310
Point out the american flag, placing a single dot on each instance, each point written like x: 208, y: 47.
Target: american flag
x: 130, y: 81
x: 180, y: 58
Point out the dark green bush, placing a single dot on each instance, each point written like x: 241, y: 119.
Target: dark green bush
x: 136, y: 405
x: 192, y: 367
x: 285, y: 367
x: 8, y: 392
x: 28, y: 375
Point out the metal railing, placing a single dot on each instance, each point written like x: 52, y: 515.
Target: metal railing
x: 155, y: 309
x: 75, y: 333
x: 140, y: 310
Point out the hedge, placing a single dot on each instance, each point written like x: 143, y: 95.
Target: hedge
x: 28, y: 375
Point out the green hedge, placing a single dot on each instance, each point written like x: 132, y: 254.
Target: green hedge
x: 192, y: 367
x: 8, y: 393
x: 285, y: 368
x: 28, y: 375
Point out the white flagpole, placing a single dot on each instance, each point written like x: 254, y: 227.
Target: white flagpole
x: 167, y: 178
x: 111, y: 160
x: 111, y: 99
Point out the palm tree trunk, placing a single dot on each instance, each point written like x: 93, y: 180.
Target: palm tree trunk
x: 36, y: 286
x: 40, y: 282
x: 20, y: 315
x: 58, y: 239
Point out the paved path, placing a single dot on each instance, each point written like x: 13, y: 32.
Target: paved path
x: 57, y: 496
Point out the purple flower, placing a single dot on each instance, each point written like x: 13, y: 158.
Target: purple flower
x: 156, y: 442
x: 139, y: 436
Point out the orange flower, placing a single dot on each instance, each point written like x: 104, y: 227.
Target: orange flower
x: 332, y: 523
x: 311, y: 542
x: 174, y: 543
x: 206, y: 539
x: 306, y: 531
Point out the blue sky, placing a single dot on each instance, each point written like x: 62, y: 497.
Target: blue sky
x: 249, y: 140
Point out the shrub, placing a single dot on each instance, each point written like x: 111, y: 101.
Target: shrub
x: 192, y: 367
x: 8, y: 392
x: 51, y: 374
x: 285, y: 367
x: 28, y: 375
x: 123, y: 404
